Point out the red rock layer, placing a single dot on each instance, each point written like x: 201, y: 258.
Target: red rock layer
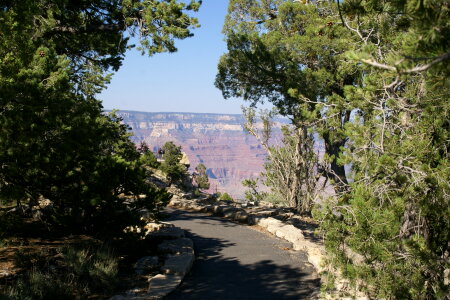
x: 218, y: 141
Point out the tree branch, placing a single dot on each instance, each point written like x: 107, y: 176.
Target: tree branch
x: 90, y: 28
x: 417, y: 69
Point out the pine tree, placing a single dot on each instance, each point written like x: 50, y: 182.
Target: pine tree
x: 55, y: 142
x: 289, y: 53
x: 370, y: 78
x: 396, y: 214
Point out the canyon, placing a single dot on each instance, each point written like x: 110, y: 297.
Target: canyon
x: 219, y: 141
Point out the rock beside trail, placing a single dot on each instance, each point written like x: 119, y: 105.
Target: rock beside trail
x: 178, y: 246
x: 162, y: 284
x: 146, y: 264
x: 178, y: 264
x: 174, y: 260
x: 167, y: 233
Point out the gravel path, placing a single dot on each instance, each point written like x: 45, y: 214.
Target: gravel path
x: 238, y: 262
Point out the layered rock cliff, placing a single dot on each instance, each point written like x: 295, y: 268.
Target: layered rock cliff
x: 216, y: 140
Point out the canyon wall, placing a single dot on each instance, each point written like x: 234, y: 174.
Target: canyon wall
x: 216, y: 140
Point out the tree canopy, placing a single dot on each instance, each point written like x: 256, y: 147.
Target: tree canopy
x: 370, y: 78
x: 171, y: 164
x: 201, y: 177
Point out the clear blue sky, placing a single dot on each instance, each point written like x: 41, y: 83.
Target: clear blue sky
x: 177, y: 82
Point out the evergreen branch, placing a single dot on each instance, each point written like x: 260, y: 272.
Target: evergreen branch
x: 90, y: 28
x: 416, y: 69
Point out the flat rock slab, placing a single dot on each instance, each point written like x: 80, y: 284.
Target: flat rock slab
x: 178, y: 264
x: 160, y: 285
x: 168, y: 233
x: 146, y: 264
x: 177, y: 246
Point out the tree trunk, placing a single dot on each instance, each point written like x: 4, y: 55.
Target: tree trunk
x: 337, y: 173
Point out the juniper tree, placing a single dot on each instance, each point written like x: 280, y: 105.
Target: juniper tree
x: 252, y: 193
x: 288, y: 53
x: 55, y: 56
x: 370, y: 77
x: 290, y: 169
x: 171, y: 162
x: 397, y: 213
x: 201, y: 177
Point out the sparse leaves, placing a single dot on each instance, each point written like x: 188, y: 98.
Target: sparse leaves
x: 201, y: 177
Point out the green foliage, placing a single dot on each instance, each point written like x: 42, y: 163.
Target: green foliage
x: 10, y: 223
x: 290, y: 169
x: 148, y: 159
x: 38, y: 285
x: 225, y: 197
x: 252, y: 194
x: 54, y: 140
x: 201, y: 177
x: 275, y: 198
x: 396, y: 212
x: 289, y: 53
x: 98, y: 268
x: 79, y: 271
x: 370, y: 78
x: 143, y: 148
x: 171, y: 164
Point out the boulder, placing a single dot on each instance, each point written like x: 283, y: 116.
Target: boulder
x: 178, y: 264
x: 167, y: 233
x: 146, y: 264
x: 241, y: 216
x: 162, y: 284
x: 218, y: 210
x: 229, y: 212
x: 290, y: 233
x: 176, y: 246
x: 154, y: 226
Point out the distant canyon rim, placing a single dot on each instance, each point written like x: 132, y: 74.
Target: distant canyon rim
x: 219, y: 141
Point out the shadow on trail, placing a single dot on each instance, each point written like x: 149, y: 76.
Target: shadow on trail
x: 177, y: 215
x: 216, y: 277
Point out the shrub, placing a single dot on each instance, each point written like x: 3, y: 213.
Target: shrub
x: 225, y: 197
x: 10, y: 223
x: 276, y: 199
x: 38, y: 285
x: 97, y: 268
x: 171, y: 165
x: 79, y: 271
x: 201, y: 178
